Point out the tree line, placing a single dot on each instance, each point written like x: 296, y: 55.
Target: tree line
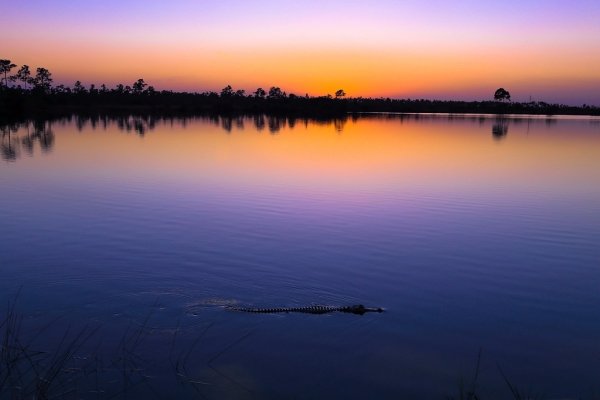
x: 23, y: 79
x: 41, y: 80
x: 26, y: 93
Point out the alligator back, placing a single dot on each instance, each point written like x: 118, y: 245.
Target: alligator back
x: 358, y: 309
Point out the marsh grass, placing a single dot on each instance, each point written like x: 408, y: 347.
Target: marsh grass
x: 71, y: 369
x: 470, y: 389
x: 77, y: 364
x: 517, y: 393
x: 27, y: 373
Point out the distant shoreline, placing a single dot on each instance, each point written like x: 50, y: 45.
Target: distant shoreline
x: 16, y: 103
x: 582, y: 117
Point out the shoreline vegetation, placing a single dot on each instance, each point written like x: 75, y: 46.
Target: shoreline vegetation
x: 27, y: 95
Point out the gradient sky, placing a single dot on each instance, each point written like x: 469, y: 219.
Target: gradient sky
x: 549, y: 50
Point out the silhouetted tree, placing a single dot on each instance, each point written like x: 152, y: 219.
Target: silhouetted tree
x: 43, y: 79
x: 339, y: 94
x: 61, y: 89
x: 240, y: 93
x: 260, y: 93
x: 138, y: 86
x: 103, y: 88
x: 5, y: 67
x: 120, y: 88
x: 227, y: 91
x: 150, y: 90
x: 275, y: 93
x: 501, y: 95
x: 24, y: 75
x: 78, y: 87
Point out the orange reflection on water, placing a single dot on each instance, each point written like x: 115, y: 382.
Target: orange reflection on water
x: 370, y: 153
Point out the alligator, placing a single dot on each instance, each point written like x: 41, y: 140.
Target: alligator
x: 358, y: 309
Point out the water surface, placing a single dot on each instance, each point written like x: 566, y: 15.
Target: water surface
x: 474, y: 233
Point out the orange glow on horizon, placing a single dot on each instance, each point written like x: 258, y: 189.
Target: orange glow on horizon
x: 401, y: 49
x: 367, y: 74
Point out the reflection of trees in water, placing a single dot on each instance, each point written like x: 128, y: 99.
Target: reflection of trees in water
x: 259, y: 122
x: 275, y: 124
x: 17, y: 137
x: 239, y: 123
x: 500, y: 129
x: 226, y: 124
x: 137, y: 124
x: 9, y: 147
x: 22, y: 137
x: 27, y: 142
x: 46, y: 141
x: 339, y: 124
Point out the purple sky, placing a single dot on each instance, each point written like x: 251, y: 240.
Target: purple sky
x: 549, y: 50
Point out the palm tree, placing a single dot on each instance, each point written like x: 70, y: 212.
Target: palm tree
x: 5, y: 67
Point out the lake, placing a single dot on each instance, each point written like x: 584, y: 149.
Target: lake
x: 478, y: 235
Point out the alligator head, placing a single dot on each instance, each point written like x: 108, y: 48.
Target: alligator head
x: 360, y: 309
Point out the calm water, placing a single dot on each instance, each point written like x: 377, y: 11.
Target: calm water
x: 473, y: 233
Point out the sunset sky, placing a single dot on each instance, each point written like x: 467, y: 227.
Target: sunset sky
x: 546, y: 49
